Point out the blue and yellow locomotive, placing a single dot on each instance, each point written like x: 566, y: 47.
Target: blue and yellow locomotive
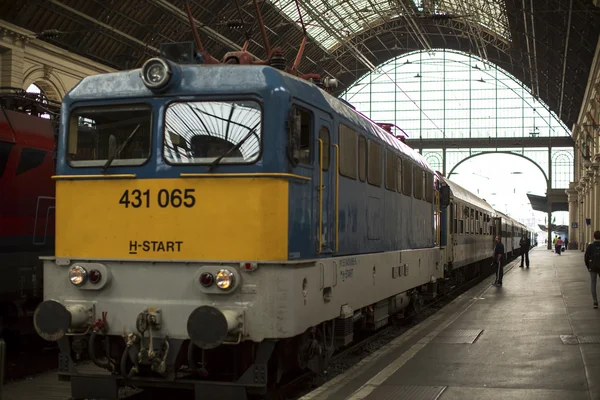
x: 222, y: 225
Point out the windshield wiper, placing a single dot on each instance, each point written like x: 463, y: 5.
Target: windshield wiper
x: 111, y: 158
x: 231, y: 150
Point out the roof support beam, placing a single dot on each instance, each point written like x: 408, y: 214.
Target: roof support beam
x: 103, y: 25
x: 564, y: 69
x: 210, y: 32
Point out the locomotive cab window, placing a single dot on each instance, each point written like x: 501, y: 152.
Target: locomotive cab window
x: 202, y: 132
x: 122, y: 133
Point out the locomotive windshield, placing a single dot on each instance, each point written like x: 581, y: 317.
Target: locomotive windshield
x: 210, y: 132
x: 97, y: 134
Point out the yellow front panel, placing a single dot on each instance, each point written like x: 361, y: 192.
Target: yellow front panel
x: 228, y: 219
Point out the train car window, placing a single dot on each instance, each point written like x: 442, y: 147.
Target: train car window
x: 122, y: 133
x: 348, y: 152
x: 375, y: 171
x: 390, y: 170
x: 407, y: 177
x: 418, y: 180
x: 429, y: 187
x: 399, y: 174
x: 324, y: 136
x: 467, y: 220
x: 362, y: 158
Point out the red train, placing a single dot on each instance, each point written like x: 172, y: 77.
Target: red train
x: 27, y: 141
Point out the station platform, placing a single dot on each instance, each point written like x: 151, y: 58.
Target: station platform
x: 536, y: 337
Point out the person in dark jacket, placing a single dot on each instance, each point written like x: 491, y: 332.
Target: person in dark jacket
x: 592, y: 262
x: 524, y: 244
x: 498, y: 254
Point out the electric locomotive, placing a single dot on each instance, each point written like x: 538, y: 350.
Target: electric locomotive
x: 229, y: 223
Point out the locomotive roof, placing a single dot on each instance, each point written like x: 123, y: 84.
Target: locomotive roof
x: 463, y: 194
x: 234, y: 80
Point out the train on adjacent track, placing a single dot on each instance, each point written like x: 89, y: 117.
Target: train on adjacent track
x: 221, y: 226
x: 27, y: 130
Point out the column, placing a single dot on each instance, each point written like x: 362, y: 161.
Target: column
x: 573, y: 216
x: 596, y: 197
x: 580, y: 213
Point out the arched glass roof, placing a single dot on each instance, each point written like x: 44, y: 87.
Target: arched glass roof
x: 333, y: 22
x: 449, y: 94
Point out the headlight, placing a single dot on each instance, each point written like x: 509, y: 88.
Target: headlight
x: 155, y: 73
x: 78, y: 275
x: 225, y: 279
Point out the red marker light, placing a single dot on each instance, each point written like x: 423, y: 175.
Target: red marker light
x: 206, y: 279
x: 95, y: 276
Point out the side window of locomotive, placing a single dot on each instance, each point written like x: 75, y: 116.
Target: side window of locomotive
x: 390, y: 170
x: 324, y: 136
x: 375, y: 172
x: 122, y: 132
x: 407, y: 177
x: 429, y: 187
x: 399, y: 174
x: 362, y: 158
x: 348, y: 152
x: 201, y: 132
x: 418, y: 180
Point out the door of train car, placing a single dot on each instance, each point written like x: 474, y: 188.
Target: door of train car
x: 327, y: 185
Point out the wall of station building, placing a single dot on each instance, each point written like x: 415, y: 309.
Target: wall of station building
x: 25, y: 60
x: 584, y: 191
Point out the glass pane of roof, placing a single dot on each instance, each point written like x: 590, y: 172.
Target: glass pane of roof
x: 331, y: 22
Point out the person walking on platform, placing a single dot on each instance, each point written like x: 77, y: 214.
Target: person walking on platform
x: 558, y: 245
x: 566, y: 244
x: 592, y: 262
x: 524, y: 243
x: 498, y: 254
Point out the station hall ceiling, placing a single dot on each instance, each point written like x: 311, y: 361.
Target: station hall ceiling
x: 549, y: 45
